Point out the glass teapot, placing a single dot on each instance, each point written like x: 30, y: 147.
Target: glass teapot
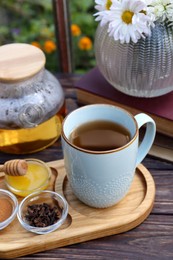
x: 30, y: 99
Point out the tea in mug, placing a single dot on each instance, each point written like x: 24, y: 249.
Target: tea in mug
x: 100, y: 136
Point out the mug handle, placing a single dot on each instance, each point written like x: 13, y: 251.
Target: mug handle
x: 149, y: 136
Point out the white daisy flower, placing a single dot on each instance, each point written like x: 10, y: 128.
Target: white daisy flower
x: 103, y: 6
x: 129, y: 20
x: 170, y: 13
x: 162, y: 9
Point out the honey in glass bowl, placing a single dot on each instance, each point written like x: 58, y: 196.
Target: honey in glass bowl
x: 37, y: 178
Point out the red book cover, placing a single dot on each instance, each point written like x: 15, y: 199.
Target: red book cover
x: 94, y: 88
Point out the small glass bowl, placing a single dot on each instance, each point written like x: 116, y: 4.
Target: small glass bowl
x: 12, y: 202
x: 37, y: 178
x: 49, y: 197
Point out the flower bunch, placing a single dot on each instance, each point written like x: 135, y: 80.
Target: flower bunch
x: 133, y: 19
x: 84, y: 42
x: 83, y: 54
x: 48, y: 46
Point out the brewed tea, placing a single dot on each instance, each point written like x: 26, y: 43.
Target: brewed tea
x: 100, y: 136
x: 29, y: 140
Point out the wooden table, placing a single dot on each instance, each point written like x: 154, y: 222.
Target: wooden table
x: 150, y: 240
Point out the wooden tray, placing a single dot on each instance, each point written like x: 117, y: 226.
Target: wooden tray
x: 83, y: 223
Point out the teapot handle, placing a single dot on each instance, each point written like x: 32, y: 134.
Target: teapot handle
x: 31, y: 115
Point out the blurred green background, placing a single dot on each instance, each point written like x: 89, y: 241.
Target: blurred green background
x: 28, y: 21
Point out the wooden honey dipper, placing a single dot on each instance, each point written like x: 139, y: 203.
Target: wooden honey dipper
x: 14, y: 167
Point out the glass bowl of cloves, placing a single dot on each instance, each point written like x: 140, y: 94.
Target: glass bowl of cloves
x: 8, y: 208
x: 42, y: 212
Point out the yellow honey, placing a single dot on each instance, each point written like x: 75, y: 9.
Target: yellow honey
x: 36, y: 178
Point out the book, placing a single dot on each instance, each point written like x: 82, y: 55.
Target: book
x: 93, y: 88
x: 161, y: 152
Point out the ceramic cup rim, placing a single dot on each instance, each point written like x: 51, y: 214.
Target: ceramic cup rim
x: 66, y: 139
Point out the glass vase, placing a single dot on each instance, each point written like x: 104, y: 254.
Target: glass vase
x: 142, y: 69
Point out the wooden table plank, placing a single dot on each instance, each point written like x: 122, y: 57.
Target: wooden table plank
x: 148, y: 241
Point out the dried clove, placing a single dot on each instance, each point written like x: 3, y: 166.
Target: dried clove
x: 42, y: 215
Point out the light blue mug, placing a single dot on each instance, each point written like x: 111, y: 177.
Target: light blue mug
x: 102, y: 178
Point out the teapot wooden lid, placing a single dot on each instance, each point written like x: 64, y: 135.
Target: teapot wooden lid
x: 20, y: 61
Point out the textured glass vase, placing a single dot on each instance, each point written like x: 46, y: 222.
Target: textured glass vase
x: 142, y: 69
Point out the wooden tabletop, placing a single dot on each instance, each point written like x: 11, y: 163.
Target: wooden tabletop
x: 150, y: 240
